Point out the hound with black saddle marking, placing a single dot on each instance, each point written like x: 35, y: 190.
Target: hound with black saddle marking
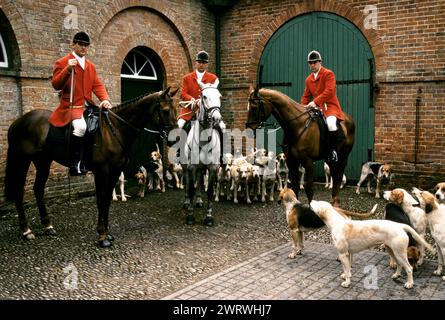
x: 435, y: 214
x: 382, y: 173
x: 416, y: 214
x: 301, y: 218
x: 394, y: 213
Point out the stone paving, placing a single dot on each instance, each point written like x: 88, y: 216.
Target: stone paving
x: 315, y: 275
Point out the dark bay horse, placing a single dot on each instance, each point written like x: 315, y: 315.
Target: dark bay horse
x: 108, y: 154
x: 302, y: 135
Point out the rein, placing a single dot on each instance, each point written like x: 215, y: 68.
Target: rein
x: 161, y: 133
x: 261, y: 114
x: 186, y: 104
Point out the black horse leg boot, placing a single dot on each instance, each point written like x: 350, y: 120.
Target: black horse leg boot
x: 77, y: 167
x: 332, y: 153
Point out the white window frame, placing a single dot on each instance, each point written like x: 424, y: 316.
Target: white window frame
x: 3, y: 64
x: 136, y: 72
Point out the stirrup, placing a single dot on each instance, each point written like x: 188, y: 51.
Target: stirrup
x: 332, y: 158
x: 78, y: 169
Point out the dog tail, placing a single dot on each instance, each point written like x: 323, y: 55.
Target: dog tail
x: 357, y: 214
x: 418, y: 238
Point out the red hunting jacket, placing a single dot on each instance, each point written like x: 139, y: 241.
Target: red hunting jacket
x: 323, y: 91
x: 190, y: 89
x: 85, y: 82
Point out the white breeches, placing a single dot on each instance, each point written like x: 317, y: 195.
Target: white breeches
x: 332, y: 123
x: 79, y: 127
x: 181, y: 123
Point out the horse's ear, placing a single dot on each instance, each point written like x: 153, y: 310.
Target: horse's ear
x: 216, y: 83
x: 165, y: 92
x: 172, y: 94
x: 256, y: 89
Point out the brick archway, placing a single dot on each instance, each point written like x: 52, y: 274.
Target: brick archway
x: 354, y: 16
x: 144, y: 39
x: 21, y: 33
x: 157, y: 7
x: 114, y: 42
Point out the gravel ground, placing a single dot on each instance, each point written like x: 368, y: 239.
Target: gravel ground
x: 154, y: 254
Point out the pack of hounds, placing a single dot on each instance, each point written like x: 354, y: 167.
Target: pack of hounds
x: 408, y: 215
x: 408, y: 218
x: 150, y: 176
x: 255, y: 176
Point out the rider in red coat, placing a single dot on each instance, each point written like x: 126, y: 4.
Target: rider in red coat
x: 320, y: 91
x: 86, y: 81
x: 190, y: 90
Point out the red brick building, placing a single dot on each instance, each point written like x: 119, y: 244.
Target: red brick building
x: 406, y: 40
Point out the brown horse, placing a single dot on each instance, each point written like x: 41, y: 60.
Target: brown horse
x: 302, y: 135
x: 108, y: 154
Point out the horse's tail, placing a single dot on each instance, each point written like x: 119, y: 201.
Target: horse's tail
x: 10, y: 182
x: 15, y: 174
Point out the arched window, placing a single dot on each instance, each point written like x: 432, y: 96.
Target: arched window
x: 138, y: 66
x: 3, y: 55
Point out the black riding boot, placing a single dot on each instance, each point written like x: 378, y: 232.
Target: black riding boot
x: 77, y: 167
x: 332, y: 145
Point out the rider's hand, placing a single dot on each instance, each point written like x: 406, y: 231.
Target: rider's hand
x: 105, y: 104
x: 181, y: 123
x: 311, y: 105
x: 72, y: 63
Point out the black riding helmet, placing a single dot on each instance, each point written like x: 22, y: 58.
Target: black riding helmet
x: 81, y: 37
x: 314, y: 56
x: 202, y: 56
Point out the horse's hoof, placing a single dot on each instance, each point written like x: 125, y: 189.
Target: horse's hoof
x: 199, y: 204
x: 208, y: 221
x: 110, y: 237
x: 186, y: 204
x: 105, y: 243
x: 50, y: 231
x: 190, y: 220
x: 28, y: 236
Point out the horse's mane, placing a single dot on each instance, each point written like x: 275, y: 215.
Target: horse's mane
x: 132, y: 101
x: 279, y: 97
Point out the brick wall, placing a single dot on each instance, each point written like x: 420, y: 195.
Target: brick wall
x: 9, y: 108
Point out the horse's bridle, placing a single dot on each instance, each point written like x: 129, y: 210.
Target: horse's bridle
x: 208, y: 112
x: 260, y: 112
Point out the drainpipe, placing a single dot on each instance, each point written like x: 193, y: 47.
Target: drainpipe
x: 219, y: 7
x: 417, y: 127
x: 217, y: 44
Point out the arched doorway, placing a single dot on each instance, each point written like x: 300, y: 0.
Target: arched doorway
x: 3, y: 54
x: 142, y: 72
x: 345, y: 51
